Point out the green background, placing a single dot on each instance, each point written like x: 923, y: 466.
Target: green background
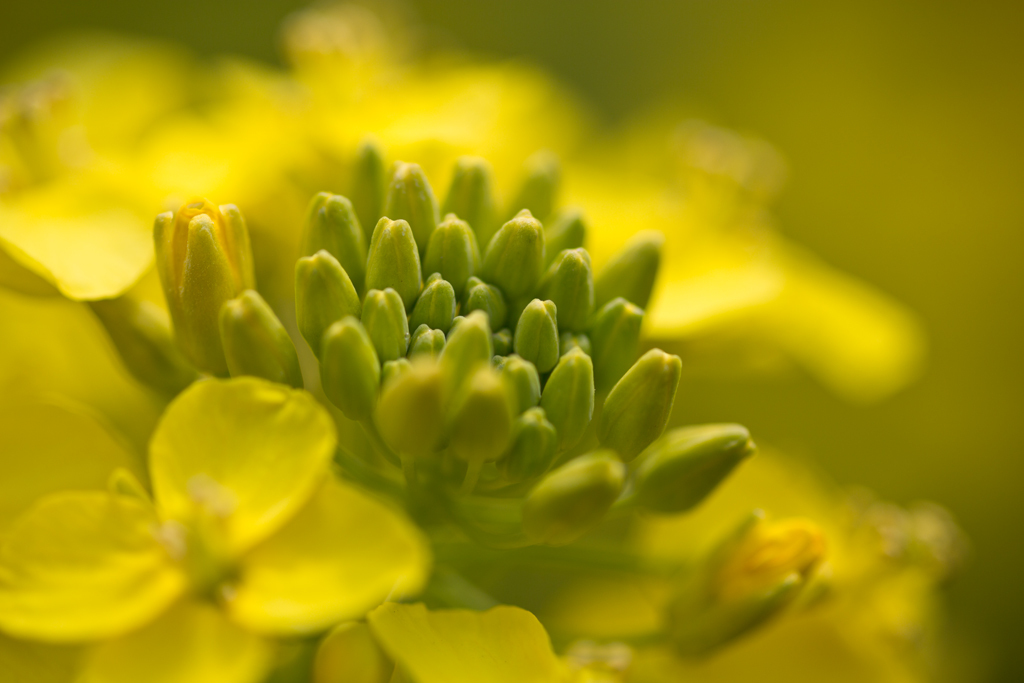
x: 902, y: 124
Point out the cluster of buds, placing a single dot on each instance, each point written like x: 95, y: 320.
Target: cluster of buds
x: 488, y: 364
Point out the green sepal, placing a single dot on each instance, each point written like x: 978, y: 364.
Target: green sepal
x: 502, y: 342
x: 426, y: 340
x: 522, y: 377
x: 481, y: 296
x: 384, y: 318
x: 514, y: 258
x: 569, y: 282
x: 568, y: 397
x: 453, y: 252
x: 435, y: 306
x: 614, y: 337
x: 369, y: 185
x: 536, y: 337
x: 256, y: 343
x: 568, y: 341
x: 639, y: 405
x: 539, y: 189
x: 532, y: 447
x: 471, y: 196
x: 565, y: 230
x: 332, y: 225
x: 350, y: 372
x: 394, y: 262
x: 324, y: 294
x: 631, y: 273
x: 410, y: 198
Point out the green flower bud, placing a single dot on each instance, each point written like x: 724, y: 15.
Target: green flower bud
x: 573, y: 499
x: 384, y: 319
x: 435, y: 306
x: 514, y: 259
x: 568, y: 341
x: 369, y: 184
x: 410, y: 198
x: 426, y: 340
x: 570, y: 284
x: 639, y: 405
x: 349, y: 368
x: 566, y: 230
x: 536, y: 337
x: 255, y: 341
x: 324, y: 294
x: 394, y: 262
x: 481, y: 418
x: 331, y: 224
x: 410, y: 415
x: 681, y: 468
x: 568, y: 398
x: 502, y: 342
x: 632, y: 272
x: 540, y: 186
x: 393, y: 368
x: 471, y: 197
x: 614, y: 336
x: 453, y: 252
x: 481, y: 296
x: 141, y: 334
x: 468, y: 345
x: 522, y: 377
x: 203, y: 258
x: 531, y: 447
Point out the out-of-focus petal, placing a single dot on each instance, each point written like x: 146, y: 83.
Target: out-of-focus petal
x: 29, y: 662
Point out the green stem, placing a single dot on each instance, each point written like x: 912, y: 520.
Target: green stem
x: 572, y: 558
x: 378, y: 444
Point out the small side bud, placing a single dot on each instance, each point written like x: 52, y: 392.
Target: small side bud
x: 435, y: 306
x: 255, y: 341
x: 569, y: 282
x: 540, y: 185
x: 384, y: 319
x: 568, y: 398
x: 390, y: 371
x: 481, y: 418
x: 614, y: 337
x: 324, y: 294
x: 573, y: 499
x: 331, y: 225
x: 532, y: 447
x: 426, y: 340
x: 568, y: 341
x: 536, y: 338
x: 369, y: 185
x: 681, y: 468
x: 514, y: 258
x: 349, y: 368
x: 410, y: 415
x: 468, y: 345
x: 631, y: 273
x: 565, y: 230
x: 522, y: 377
x: 502, y: 342
x: 471, y: 197
x: 481, y: 296
x: 411, y: 199
x: 453, y: 252
x: 393, y: 261
x: 640, y: 404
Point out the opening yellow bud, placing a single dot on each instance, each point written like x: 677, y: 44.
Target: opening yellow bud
x: 770, y: 553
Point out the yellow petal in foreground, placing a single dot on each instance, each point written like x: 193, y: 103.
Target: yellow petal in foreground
x: 501, y: 645
x: 51, y: 447
x: 343, y: 554
x: 29, y: 662
x: 84, y: 566
x: 193, y: 642
x: 244, y: 450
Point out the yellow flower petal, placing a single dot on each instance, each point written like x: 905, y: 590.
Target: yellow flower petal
x: 192, y: 643
x: 245, y: 449
x: 28, y: 662
x: 343, y: 554
x: 84, y: 566
x: 501, y: 645
x: 49, y: 448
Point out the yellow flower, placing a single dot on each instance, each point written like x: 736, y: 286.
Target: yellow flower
x: 248, y: 536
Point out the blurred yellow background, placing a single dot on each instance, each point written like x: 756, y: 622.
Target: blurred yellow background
x: 901, y: 124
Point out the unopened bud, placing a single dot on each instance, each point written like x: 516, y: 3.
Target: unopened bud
x: 532, y: 447
x: 568, y: 398
x: 565, y: 230
x: 573, y: 499
x: 540, y: 186
x: 426, y: 340
x: 349, y: 368
x: 569, y: 282
x: 631, y: 272
x: 639, y: 405
x: 435, y: 306
x: 522, y: 377
x: 481, y: 296
x: 324, y: 294
x: 568, y: 341
x: 369, y: 184
x: 384, y: 319
x: 614, y: 336
x: 255, y: 341
x: 502, y: 342
x: 681, y: 468
x: 468, y: 345
x: 514, y: 258
x: 203, y: 258
x: 481, y: 418
x: 453, y: 251
x: 411, y: 199
x: 410, y: 415
x: 471, y: 197
x: 536, y: 338
x: 394, y: 262
x: 390, y: 371
x: 331, y: 225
